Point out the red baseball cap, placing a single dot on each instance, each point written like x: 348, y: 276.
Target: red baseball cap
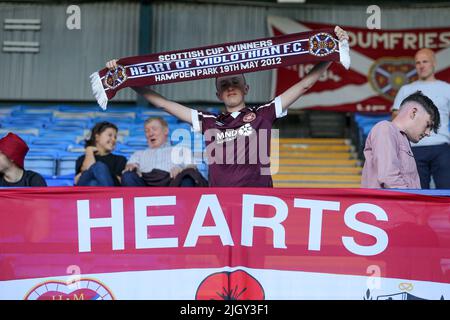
x: 14, y: 148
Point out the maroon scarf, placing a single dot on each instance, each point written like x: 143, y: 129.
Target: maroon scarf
x: 219, y: 60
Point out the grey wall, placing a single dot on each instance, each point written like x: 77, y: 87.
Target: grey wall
x: 60, y: 71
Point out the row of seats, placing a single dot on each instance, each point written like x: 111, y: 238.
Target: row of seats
x: 366, y: 122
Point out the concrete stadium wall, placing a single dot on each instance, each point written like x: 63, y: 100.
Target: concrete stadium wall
x: 60, y: 70
x: 66, y: 58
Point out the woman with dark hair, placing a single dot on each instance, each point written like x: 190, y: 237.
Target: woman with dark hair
x: 99, y: 166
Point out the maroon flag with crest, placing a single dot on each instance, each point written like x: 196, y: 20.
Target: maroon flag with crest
x: 382, y: 61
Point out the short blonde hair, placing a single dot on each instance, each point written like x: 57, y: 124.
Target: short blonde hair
x: 160, y: 119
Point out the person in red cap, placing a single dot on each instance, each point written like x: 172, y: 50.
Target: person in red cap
x: 12, y: 173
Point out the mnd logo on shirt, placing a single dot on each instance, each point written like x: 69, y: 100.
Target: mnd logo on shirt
x: 230, y: 135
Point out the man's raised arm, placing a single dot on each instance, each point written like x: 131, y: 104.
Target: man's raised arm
x: 178, y: 110
x: 297, y: 90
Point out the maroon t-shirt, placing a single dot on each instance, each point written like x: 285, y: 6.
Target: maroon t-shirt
x: 238, y: 144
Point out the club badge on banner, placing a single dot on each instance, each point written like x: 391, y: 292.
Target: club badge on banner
x: 222, y: 243
x: 382, y: 61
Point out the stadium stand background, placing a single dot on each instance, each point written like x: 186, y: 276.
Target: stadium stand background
x: 45, y: 93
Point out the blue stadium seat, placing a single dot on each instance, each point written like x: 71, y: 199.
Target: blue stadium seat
x: 3, y: 117
x: 26, y: 109
x: 60, y: 181
x: 126, y: 150
x: 74, y: 116
x: 78, y: 123
x: 180, y: 125
x: 19, y: 131
x: 78, y: 109
x: 7, y: 110
x: 24, y: 136
x: 203, y: 168
x: 144, y: 115
x: 30, y: 116
x: 77, y: 148
x: 151, y: 112
x: 361, y: 119
x: 365, y: 123
x: 66, y: 163
x: 41, y: 149
x: 111, y: 116
x: 136, y: 141
x: 54, y: 134
x: 43, y: 162
x: 26, y: 121
x: 136, y: 129
x: 215, y: 110
x: 122, y: 125
x: 53, y: 145
x: 198, y: 142
x: 51, y: 141
x: 194, y: 140
x: 120, y: 107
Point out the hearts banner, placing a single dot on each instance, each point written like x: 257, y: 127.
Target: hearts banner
x: 223, y: 243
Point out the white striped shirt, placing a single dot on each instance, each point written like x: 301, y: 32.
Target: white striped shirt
x: 164, y: 158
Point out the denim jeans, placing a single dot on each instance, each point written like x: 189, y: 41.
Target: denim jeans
x: 97, y: 175
x: 131, y: 179
x: 433, y: 161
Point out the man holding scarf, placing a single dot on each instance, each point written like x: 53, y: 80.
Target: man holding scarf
x: 240, y: 126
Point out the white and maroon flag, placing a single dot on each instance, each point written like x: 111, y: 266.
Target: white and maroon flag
x: 219, y: 60
x: 382, y: 61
